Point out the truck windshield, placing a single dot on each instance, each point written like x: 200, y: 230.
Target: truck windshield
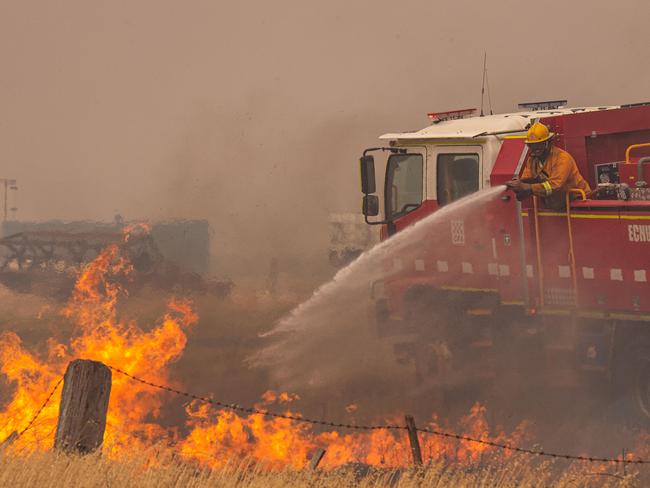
x: 404, y: 183
x: 457, y: 176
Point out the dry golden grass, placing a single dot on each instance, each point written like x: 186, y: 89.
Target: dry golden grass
x: 52, y: 469
x: 226, y: 334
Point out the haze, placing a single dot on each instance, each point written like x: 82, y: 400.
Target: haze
x: 253, y: 114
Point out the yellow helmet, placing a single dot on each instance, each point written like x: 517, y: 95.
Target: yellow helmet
x: 538, y: 132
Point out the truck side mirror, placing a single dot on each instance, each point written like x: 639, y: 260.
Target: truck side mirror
x: 370, y: 206
x: 368, y: 176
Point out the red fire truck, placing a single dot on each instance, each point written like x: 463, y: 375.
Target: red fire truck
x: 558, y: 298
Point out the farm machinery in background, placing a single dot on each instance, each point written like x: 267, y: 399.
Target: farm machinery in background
x: 510, y: 289
x: 45, y: 257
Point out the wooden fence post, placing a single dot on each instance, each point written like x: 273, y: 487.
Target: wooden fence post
x: 316, y: 458
x: 9, y: 440
x: 84, y: 403
x: 413, y: 439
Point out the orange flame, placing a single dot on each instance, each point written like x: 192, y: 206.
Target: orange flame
x: 103, y: 336
x: 214, y: 436
x: 137, y: 228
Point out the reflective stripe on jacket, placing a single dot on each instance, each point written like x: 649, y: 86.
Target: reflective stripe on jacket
x: 554, y: 178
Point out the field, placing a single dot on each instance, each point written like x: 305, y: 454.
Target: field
x: 56, y: 470
x: 157, y: 439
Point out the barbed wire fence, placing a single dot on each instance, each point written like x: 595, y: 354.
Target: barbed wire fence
x: 439, y: 433
x: 42, y: 407
x: 412, y: 430
x: 18, y: 433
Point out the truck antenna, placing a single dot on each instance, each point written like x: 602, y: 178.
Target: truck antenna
x: 485, y: 83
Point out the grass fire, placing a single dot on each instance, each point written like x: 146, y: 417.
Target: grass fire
x: 144, y: 414
x: 209, y: 436
x: 324, y: 244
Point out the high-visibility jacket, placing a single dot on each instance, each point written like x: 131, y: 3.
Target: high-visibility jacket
x: 554, y: 177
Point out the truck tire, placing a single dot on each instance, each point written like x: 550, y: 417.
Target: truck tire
x: 632, y: 382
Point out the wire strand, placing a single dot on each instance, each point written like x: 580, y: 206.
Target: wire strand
x: 256, y: 411
x: 450, y: 435
x: 47, y: 400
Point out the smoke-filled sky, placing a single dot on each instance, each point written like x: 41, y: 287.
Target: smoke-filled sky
x: 253, y: 114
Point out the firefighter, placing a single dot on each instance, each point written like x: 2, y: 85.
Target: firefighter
x: 550, y: 171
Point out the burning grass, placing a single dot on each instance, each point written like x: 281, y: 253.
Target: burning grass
x: 104, y: 336
x: 136, y: 415
x: 53, y: 469
x: 201, y: 445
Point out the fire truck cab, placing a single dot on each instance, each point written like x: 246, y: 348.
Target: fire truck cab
x: 570, y: 288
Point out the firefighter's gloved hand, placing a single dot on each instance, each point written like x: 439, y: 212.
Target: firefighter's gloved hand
x: 517, y: 185
x: 521, y: 189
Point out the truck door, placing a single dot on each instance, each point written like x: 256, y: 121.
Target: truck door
x: 405, y: 189
x: 454, y: 172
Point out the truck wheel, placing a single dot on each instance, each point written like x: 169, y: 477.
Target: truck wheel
x: 632, y: 384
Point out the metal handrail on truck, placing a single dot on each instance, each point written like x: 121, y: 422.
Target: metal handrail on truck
x: 538, y: 247
x: 572, y: 257
x: 631, y: 148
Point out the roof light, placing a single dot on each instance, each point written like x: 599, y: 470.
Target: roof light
x: 639, y: 104
x: 545, y: 105
x: 436, y: 117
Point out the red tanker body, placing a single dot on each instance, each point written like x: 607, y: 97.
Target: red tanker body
x: 570, y: 287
